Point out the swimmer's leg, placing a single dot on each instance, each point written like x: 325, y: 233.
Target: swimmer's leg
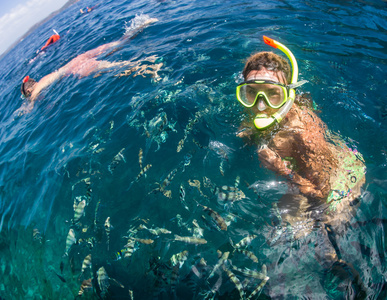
x: 146, y: 66
x: 328, y: 255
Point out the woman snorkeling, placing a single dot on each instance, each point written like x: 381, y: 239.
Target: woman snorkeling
x: 324, y: 174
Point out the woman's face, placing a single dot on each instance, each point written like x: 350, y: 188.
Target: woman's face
x: 261, y: 106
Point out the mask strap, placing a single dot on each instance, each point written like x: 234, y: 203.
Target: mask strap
x: 297, y: 84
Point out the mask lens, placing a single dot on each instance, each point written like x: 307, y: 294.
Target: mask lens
x: 247, y: 94
x: 274, y: 94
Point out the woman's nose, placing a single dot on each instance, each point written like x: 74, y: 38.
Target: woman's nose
x: 261, y: 104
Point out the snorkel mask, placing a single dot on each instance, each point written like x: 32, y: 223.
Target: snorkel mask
x: 274, y: 94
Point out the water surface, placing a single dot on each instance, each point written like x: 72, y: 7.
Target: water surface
x: 63, y: 151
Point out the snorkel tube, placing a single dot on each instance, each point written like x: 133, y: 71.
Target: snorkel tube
x: 261, y: 121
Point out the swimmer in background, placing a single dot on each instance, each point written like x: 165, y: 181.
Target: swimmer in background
x: 54, y: 38
x: 87, y: 10
x: 325, y: 175
x: 86, y: 64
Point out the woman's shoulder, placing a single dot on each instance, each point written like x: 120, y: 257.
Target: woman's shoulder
x: 303, y: 119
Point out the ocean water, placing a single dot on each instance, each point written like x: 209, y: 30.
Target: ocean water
x: 81, y: 143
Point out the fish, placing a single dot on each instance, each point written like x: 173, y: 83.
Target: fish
x: 199, y: 268
x: 245, y: 241
x: 180, y: 145
x: 277, y: 233
x: 165, y: 183
x: 86, y: 284
x: 133, y: 231
x: 88, y: 187
x: 258, y: 289
x: 182, y: 196
x: 196, y: 183
x: 96, y: 213
x: 59, y: 276
x: 79, y: 211
x: 93, y: 146
x: 116, y: 255
x: 88, y: 191
x: 216, y: 217
x: 221, y: 167
x: 249, y: 273
x: 248, y: 254
x: 143, y: 171
x: 186, y: 161
x: 144, y: 241
x: 179, y: 258
x: 70, y: 240
x: 167, y: 194
x: 210, y: 225
x: 237, y: 181
x: 188, y: 129
x: 108, y: 227
x: 198, y: 144
x: 91, y: 241
x: 229, y: 194
x: 197, y: 273
x: 140, y: 157
x: 103, y: 281
x: 190, y: 240
x: 116, y: 160
x: 197, y: 230
x: 141, y: 227
x: 191, y: 123
x: 220, y: 263
x: 99, y: 150
x: 61, y: 267
x: 207, y: 183
x: 36, y: 235
x: 229, y: 218
x: 220, y: 149
x: 181, y: 223
x: 128, y: 249
x: 157, y: 231
x: 86, y: 263
x: 236, y: 281
x: 215, y: 288
x: 157, y: 129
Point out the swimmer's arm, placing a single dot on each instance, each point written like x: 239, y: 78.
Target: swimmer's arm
x: 272, y: 160
x: 245, y: 130
x: 45, y: 82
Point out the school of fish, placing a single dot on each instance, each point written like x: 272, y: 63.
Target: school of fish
x: 234, y: 270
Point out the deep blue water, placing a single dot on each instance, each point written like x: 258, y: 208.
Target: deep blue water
x: 64, y: 148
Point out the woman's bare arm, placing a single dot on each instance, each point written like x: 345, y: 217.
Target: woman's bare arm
x: 301, y: 141
x: 44, y: 82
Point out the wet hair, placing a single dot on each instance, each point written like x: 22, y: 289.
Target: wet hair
x: 27, y: 84
x: 269, y: 61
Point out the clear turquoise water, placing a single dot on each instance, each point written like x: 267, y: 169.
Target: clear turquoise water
x: 341, y: 50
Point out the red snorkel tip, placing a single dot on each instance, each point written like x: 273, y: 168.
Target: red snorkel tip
x: 269, y: 41
x: 26, y: 79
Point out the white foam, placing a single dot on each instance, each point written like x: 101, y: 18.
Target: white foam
x: 138, y: 22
